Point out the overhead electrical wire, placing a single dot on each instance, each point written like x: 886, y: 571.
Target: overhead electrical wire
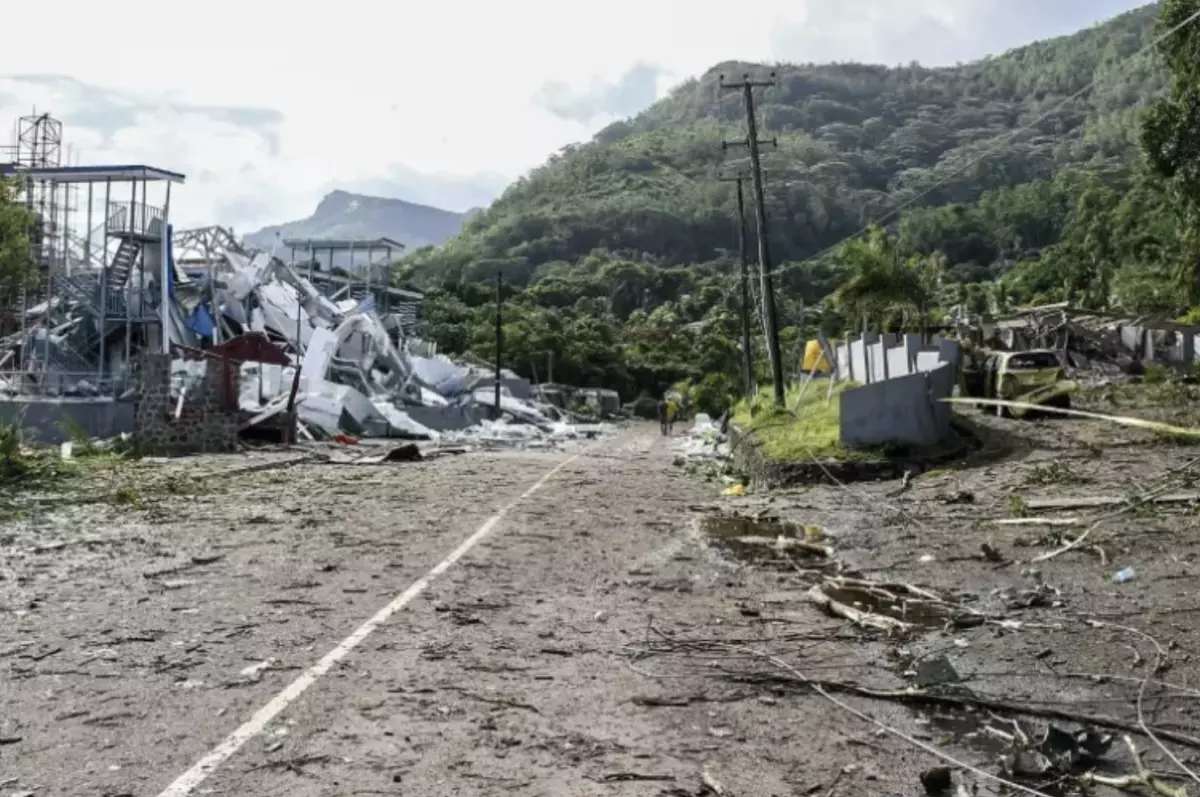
x: 991, y: 147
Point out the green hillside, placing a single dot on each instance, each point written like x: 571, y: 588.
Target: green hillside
x: 854, y: 141
x: 1013, y: 180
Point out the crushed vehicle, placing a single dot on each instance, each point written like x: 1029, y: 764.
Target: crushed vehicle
x: 1036, y: 376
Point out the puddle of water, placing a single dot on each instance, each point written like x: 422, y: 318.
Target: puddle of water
x: 914, y: 612
x: 724, y: 527
x: 756, y: 540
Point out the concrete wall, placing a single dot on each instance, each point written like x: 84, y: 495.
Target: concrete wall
x: 942, y: 382
x: 46, y: 420
x: 927, y: 361
x: 1130, y: 336
x: 900, y: 400
x: 902, y: 410
x: 874, y: 359
x: 518, y: 387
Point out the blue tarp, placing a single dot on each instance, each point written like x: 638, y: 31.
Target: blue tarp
x: 201, y: 322
x: 170, y: 261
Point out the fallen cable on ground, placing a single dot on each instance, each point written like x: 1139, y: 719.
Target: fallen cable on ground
x: 1128, y: 507
x: 919, y: 696
x: 1160, y: 664
x: 1124, y: 420
x: 928, y: 748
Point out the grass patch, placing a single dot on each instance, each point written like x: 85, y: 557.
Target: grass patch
x: 31, y: 467
x: 24, y: 467
x: 1051, y: 473
x: 810, y: 430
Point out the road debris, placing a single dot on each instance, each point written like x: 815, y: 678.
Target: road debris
x: 1144, y: 778
x: 608, y: 586
x: 937, y: 781
x: 893, y: 608
x: 714, y: 786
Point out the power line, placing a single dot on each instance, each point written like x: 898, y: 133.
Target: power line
x: 993, y: 145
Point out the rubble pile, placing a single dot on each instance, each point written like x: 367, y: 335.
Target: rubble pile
x: 361, y: 373
x: 705, y: 441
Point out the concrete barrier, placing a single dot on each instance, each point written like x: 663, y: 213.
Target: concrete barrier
x: 904, y: 410
x: 52, y: 420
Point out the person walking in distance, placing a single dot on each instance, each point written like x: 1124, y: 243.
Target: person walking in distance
x: 662, y: 414
x: 672, y: 411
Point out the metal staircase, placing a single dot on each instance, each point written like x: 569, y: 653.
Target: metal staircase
x: 81, y: 289
x: 69, y: 357
x: 123, y: 262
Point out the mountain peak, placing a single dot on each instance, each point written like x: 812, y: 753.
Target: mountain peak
x: 343, y: 214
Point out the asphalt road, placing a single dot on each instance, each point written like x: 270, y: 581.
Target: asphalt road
x: 554, y: 622
x: 209, y: 638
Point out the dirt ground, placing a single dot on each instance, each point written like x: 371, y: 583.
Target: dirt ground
x: 592, y: 640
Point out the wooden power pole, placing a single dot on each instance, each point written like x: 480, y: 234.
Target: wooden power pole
x: 747, y: 86
x: 499, y: 339
x: 743, y: 254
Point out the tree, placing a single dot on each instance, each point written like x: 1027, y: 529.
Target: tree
x: 881, y: 284
x: 16, y: 255
x: 1171, y: 131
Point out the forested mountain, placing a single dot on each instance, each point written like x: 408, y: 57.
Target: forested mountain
x: 854, y: 141
x: 1067, y: 169
x: 1018, y: 178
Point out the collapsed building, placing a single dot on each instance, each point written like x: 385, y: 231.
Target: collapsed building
x: 125, y: 283
x: 1097, y: 338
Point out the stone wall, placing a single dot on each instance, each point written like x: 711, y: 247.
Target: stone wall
x: 205, y: 424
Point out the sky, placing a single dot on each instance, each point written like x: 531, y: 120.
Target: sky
x: 267, y: 106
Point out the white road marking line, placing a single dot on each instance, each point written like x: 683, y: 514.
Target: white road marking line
x: 189, y: 780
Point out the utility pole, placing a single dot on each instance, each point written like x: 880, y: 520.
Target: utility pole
x: 747, y: 86
x: 747, y: 351
x: 499, y: 340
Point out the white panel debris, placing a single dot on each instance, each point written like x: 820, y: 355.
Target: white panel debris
x: 362, y: 371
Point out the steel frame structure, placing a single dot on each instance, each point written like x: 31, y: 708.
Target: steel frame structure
x: 88, y: 273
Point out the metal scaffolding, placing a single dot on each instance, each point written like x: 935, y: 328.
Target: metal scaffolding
x: 115, y: 279
x: 101, y: 267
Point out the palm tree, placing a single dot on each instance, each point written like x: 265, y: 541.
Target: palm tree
x: 881, y: 284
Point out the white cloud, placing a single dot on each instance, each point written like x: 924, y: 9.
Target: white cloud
x: 934, y: 32
x: 267, y: 105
